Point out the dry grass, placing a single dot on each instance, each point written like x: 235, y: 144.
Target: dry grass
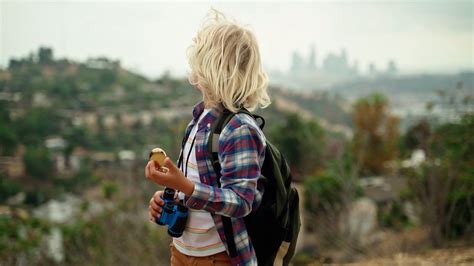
x: 407, y: 247
x: 448, y: 256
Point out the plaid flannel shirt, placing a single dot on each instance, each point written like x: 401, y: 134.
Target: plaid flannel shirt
x: 241, y: 153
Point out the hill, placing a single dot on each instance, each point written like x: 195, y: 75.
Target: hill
x: 59, y: 114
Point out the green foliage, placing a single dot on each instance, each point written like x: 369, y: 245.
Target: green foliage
x: 109, y: 189
x: 8, y: 140
x: 76, y: 232
x: 106, y: 240
x: 64, y: 88
x: 462, y: 200
x: 4, y: 113
x: 85, y: 177
x: 454, y: 145
x: 20, y: 236
x: 444, y: 185
x: 107, y: 77
x: 303, y: 258
x: 393, y: 217
x: 373, y: 99
x: 8, y: 188
x: 45, y: 55
x: 300, y: 141
x: 38, y: 162
x: 78, y: 137
x: 76, y: 88
x: 454, y: 142
x: 8, y: 137
x: 323, y: 192
x: 36, y: 124
x: 36, y: 197
x: 416, y: 137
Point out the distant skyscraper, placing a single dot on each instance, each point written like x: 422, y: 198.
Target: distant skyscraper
x: 312, y: 58
x: 391, y: 68
x: 338, y: 65
x: 372, y: 69
x: 343, y: 57
x: 297, y: 63
x: 355, y: 67
x: 334, y: 67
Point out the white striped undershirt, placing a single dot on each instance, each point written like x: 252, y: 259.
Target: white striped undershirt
x: 200, y: 237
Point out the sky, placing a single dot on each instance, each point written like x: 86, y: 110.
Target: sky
x: 151, y: 37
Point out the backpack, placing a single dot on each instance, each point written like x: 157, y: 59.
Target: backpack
x: 274, y: 226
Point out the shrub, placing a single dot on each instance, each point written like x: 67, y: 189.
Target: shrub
x: 444, y: 184
x: 109, y: 188
x: 8, y: 188
x: 38, y: 163
x: 322, y: 193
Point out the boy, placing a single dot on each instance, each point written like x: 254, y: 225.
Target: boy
x: 226, y: 68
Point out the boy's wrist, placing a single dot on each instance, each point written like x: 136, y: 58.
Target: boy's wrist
x: 187, y: 187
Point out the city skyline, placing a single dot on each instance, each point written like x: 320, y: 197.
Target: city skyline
x: 151, y: 37
x: 337, y: 63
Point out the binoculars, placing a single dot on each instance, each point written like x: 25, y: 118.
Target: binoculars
x: 174, y: 214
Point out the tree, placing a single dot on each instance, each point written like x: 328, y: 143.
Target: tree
x: 376, y: 134
x: 8, y: 137
x: 45, y: 55
x: 37, y: 124
x: 8, y: 188
x: 301, y: 142
x: 444, y: 184
x: 417, y: 136
x: 8, y: 140
x: 38, y: 162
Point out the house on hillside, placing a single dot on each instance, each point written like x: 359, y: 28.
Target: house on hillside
x: 13, y: 166
x: 146, y: 117
x: 40, y: 99
x: 56, y: 146
x: 110, y: 121
x: 128, y: 120
x: 382, y: 189
x: 385, y: 191
x: 76, y: 159
x: 87, y: 119
x: 126, y: 157
x: 103, y: 163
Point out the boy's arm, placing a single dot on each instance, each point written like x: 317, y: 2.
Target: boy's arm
x: 240, y: 151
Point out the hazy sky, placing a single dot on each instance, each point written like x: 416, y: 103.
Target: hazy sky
x: 149, y: 37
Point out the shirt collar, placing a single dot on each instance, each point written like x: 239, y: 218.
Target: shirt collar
x: 210, y: 117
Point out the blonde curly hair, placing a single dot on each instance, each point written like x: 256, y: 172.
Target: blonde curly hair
x: 225, y: 64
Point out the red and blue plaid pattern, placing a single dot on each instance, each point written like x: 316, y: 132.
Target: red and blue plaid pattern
x: 241, y: 154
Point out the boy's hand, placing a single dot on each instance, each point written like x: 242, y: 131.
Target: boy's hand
x: 173, y: 178
x: 156, y: 205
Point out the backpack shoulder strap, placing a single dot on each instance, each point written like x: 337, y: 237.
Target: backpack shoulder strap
x: 213, y: 142
x: 261, y: 125
x: 216, y: 130
x: 222, y: 121
x: 212, y: 148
